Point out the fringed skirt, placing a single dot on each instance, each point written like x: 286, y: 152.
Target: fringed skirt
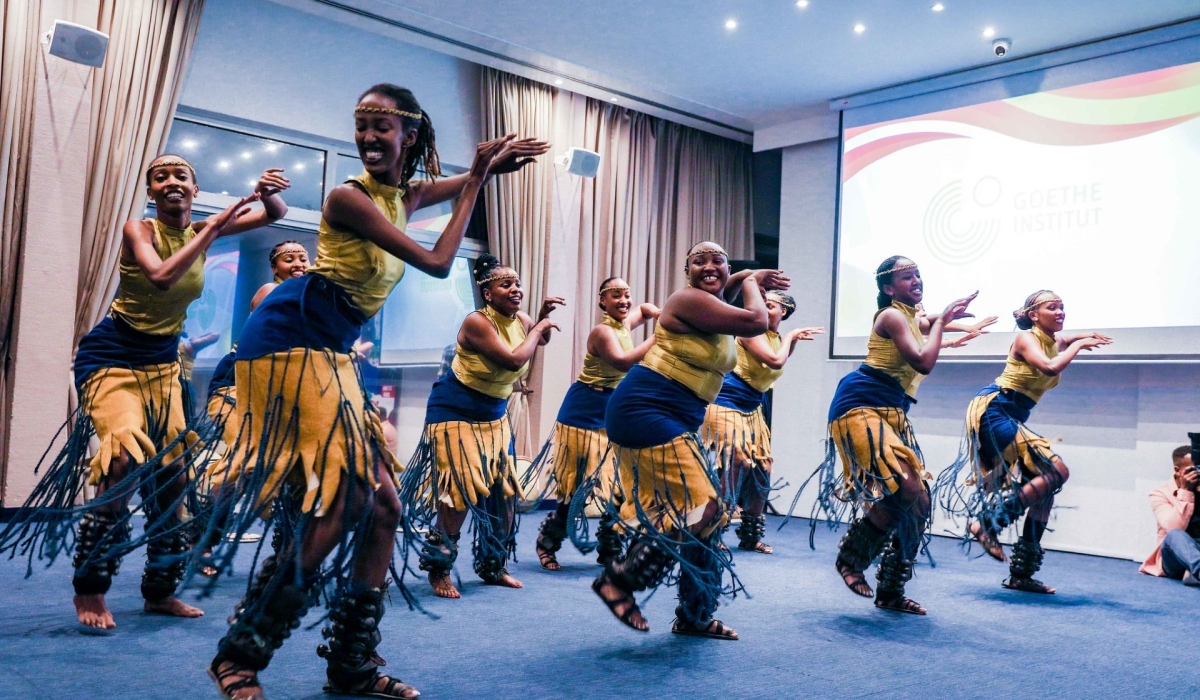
x: 469, y: 461
x: 999, y: 455
x: 131, y: 402
x: 740, y: 441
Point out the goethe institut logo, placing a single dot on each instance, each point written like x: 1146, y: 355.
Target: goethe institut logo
x: 958, y: 232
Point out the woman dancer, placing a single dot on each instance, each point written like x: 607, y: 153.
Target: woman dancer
x: 577, y: 456
x: 309, y: 446
x: 465, y: 462
x: 128, y: 378
x: 288, y: 259
x: 1014, y: 470
x: 188, y: 349
x: 667, y: 490
x: 883, y: 472
x: 735, y: 427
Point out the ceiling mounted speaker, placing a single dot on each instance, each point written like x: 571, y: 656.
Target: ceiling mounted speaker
x: 581, y: 161
x: 77, y: 43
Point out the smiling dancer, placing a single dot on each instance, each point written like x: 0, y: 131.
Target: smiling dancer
x: 883, y: 472
x: 735, y: 427
x: 667, y: 490
x: 466, y: 461
x: 309, y: 445
x: 1014, y: 471
x: 577, y: 456
x: 128, y: 378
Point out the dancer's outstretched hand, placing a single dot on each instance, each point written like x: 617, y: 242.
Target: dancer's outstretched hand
x: 772, y: 280
x: 271, y: 182
x: 1093, y: 341
x: 232, y: 213
x: 962, y: 339
x: 799, y: 334
x: 983, y: 323
x: 549, y: 305
x: 516, y: 154
x: 486, y: 152
x: 958, y: 309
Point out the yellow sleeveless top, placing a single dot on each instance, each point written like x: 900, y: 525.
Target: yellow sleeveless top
x: 480, y: 373
x: 150, y: 309
x: 598, y: 373
x: 755, y: 373
x: 364, y: 270
x: 883, y: 355
x: 698, y: 361
x: 1021, y: 376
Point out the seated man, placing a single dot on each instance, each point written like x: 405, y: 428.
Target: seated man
x: 1178, y: 553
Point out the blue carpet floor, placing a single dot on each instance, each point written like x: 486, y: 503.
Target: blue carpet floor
x: 1109, y: 633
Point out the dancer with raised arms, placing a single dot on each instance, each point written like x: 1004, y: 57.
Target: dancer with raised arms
x: 1014, y: 471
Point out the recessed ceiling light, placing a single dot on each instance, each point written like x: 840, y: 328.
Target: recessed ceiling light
x: 188, y: 144
x: 731, y: 24
x: 860, y: 28
x: 222, y: 164
x: 802, y: 4
x: 612, y: 99
x: 989, y: 33
x: 246, y: 155
x: 252, y: 183
x: 299, y: 166
x: 224, y: 191
x: 938, y: 7
x: 558, y: 81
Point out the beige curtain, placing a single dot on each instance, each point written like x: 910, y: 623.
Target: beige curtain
x: 136, y: 93
x: 662, y: 187
x: 18, y: 57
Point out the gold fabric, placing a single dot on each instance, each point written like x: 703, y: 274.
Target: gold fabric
x: 303, y: 417
x: 670, y: 483
x: 364, y: 270
x: 1024, y: 458
x: 596, y: 372
x: 871, y: 443
x: 187, y: 361
x: 883, y: 355
x: 736, y: 436
x: 144, y: 306
x: 221, y: 408
x: 576, y: 453
x: 698, y: 361
x: 128, y: 407
x: 1021, y: 376
x: 470, y: 459
x: 755, y: 373
x: 475, y: 370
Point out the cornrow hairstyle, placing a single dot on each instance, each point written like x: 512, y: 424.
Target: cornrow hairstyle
x: 278, y: 248
x: 150, y: 168
x: 884, y: 278
x: 484, y: 266
x: 789, y: 304
x: 1024, y: 322
x: 422, y: 155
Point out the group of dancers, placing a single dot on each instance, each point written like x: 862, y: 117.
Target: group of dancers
x: 666, y: 439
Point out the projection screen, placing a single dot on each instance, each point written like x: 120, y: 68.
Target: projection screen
x: 1092, y: 191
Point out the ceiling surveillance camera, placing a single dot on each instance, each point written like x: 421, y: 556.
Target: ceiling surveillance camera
x: 1001, y: 47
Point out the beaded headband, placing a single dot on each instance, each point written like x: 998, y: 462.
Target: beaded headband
x: 778, y: 299
x: 614, y: 287
x: 290, y: 248
x: 702, y: 251
x: 1033, y: 305
x: 388, y: 110
x: 900, y: 268
x: 497, y: 277
x: 170, y: 162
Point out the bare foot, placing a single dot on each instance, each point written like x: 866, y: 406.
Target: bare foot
x: 988, y: 540
x: 443, y: 587
x: 171, y: 606
x: 93, y: 612
x: 621, y: 604
x: 507, y: 581
x: 236, y: 682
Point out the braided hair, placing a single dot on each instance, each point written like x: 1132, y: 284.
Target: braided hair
x: 423, y: 153
x: 278, y: 248
x: 1024, y: 322
x: 883, y: 278
x: 785, y: 301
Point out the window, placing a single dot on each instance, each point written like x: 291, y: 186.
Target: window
x: 229, y: 162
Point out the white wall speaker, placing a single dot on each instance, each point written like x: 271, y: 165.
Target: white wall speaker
x: 581, y: 161
x: 77, y: 43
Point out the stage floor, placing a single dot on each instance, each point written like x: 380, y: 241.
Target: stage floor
x: 1109, y: 632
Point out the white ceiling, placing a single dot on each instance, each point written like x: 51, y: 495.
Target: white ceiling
x: 781, y: 63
